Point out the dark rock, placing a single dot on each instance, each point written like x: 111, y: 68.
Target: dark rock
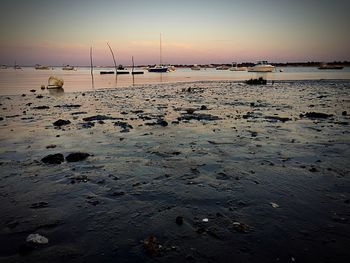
x: 78, y: 112
x: 316, y: 115
x: 39, y: 96
x: 190, y: 110
x: 118, y: 193
x: 198, y: 117
x: 68, y: 106
x: 76, y: 157
x: 32, y: 90
x: 87, y: 125
x: 51, y: 146
x: 101, y: 118
x: 1, y: 118
x: 203, y: 107
x: 179, y: 220
x: 41, y: 107
x: 344, y: 113
x: 313, y: 169
x: 259, y: 81
x: 123, y: 125
x: 39, y: 205
x: 61, y: 122
x: 57, y: 158
x: 160, y: 122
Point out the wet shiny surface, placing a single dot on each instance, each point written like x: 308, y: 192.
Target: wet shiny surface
x: 230, y: 168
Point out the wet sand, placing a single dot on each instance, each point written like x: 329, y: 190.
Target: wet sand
x: 201, y: 172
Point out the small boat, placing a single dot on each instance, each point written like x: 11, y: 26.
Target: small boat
x: 55, y: 83
x: 120, y: 67
x: 327, y: 66
x: 106, y: 72
x: 222, y: 67
x: 196, y: 67
x: 159, y: 68
x: 3, y: 67
x: 261, y: 66
x: 38, y: 66
x: 67, y: 67
x: 236, y: 68
x: 17, y: 67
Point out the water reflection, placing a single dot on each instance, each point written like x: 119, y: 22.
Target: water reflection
x: 56, y: 92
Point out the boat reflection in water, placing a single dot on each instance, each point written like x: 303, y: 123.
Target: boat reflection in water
x: 56, y: 92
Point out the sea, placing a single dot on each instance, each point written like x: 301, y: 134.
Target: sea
x: 23, y: 80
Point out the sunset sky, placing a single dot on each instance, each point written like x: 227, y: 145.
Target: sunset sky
x: 193, y: 31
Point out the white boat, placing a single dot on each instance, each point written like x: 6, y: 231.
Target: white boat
x: 261, y: 66
x: 222, y: 67
x: 159, y: 68
x: 236, y: 68
x: 196, y: 67
x: 67, y: 67
x: 38, y: 66
x: 55, y: 83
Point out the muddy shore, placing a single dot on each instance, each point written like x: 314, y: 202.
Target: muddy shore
x: 200, y: 172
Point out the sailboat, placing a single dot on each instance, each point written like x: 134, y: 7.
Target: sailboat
x: 159, y: 68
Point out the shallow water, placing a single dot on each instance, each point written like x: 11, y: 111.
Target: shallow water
x: 227, y: 170
x: 21, y: 81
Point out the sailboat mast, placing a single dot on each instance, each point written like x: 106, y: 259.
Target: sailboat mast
x: 160, y: 49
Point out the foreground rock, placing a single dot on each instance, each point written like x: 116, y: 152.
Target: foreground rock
x: 61, y: 122
x: 76, y: 157
x: 57, y: 158
x: 316, y: 115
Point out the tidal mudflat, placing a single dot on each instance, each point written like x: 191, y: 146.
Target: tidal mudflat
x: 201, y: 172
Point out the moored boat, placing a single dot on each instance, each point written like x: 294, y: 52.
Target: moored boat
x: 196, y: 67
x: 236, y: 68
x: 38, y: 66
x: 55, y: 83
x: 159, y: 68
x: 222, y: 67
x: 67, y: 67
x: 261, y: 66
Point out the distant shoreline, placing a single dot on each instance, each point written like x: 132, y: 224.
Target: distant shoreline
x: 243, y: 64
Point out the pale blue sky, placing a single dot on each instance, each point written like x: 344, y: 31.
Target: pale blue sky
x: 58, y: 32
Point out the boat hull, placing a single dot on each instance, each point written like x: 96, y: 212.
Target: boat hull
x: 158, y: 70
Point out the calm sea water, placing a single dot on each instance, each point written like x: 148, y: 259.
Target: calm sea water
x: 21, y: 81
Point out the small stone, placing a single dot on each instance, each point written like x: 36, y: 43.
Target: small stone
x: 179, y: 220
x: 61, y: 122
x: 37, y: 239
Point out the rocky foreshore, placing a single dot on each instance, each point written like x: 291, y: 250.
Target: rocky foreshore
x: 202, y: 172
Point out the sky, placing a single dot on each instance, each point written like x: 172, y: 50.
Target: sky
x: 52, y: 32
